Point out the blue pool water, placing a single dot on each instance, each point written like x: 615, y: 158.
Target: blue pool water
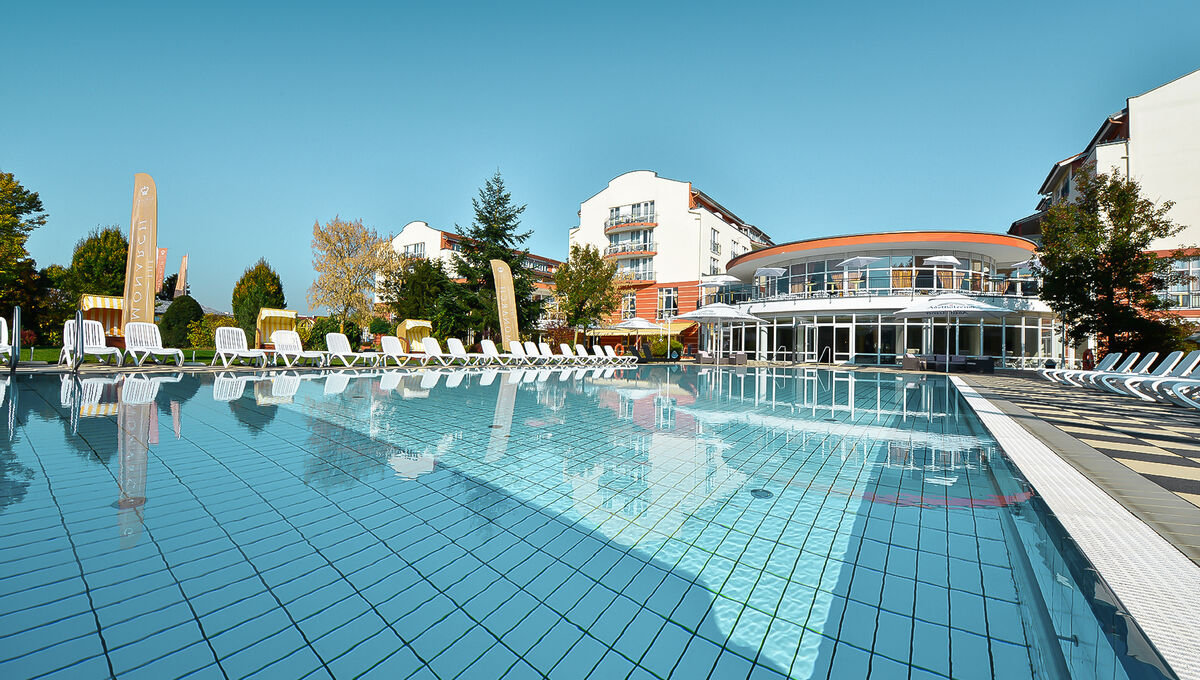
x: 646, y: 523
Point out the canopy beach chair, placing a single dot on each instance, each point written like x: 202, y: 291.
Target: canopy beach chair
x: 93, y: 343
x: 339, y: 348
x: 289, y: 348
x: 231, y: 348
x: 269, y: 321
x: 105, y: 309
x: 413, y: 331
x: 144, y: 341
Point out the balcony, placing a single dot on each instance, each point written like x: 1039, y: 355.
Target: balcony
x: 628, y: 276
x: 622, y: 222
x: 897, y: 282
x: 630, y: 248
x: 715, y: 247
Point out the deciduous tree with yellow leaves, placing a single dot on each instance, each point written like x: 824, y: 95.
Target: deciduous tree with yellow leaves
x: 346, y: 257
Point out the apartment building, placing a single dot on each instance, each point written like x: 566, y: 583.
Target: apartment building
x: 1155, y: 140
x: 664, y: 235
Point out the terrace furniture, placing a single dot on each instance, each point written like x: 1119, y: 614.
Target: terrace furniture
x: 912, y: 362
x: 1075, y: 378
x: 231, y: 347
x: 739, y: 358
x: 459, y: 352
x: 5, y: 345
x: 393, y: 348
x: 518, y: 351
x: 93, y: 343
x: 982, y: 365
x: 1058, y: 374
x: 434, y: 351
x: 138, y: 389
x: 289, y: 348
x: 1117, y: 382
x: 532, y: 351
x: 1145, y: 387
x: 705, y: 357
x: 144, y: 341
x: 1141, y: 368
x: 339, y: 348
x: 495, y: 356
x: 556, y: 359
x: 566, y: 351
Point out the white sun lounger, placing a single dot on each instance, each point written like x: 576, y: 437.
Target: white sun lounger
x: 1077, y: 378
x: 576, y: 358
x: 620, y: 358
x: 339, y: 348
x: 1140, y: 368
x: 523, y: 357
x: 554, y: 359
x: 393, y: 348
x: 434, y: 350
x: 455, y: 346
x: 93, y: 343
x: 495, y: 356
x: 1148, y: 389
x: 144, y: 341
x: 1121, y: 384
x: 1183, y: 391
x: 231, y: 347
x: 581, y: 353
x: 1056, y: 374
x: 289, y: 348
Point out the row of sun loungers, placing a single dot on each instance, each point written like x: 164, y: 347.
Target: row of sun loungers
x: 143, y: 342
x: 1175, y: 379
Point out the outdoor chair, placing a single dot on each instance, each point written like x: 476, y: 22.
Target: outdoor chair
x: 1056, y: 374
x: 434, y: 351
x: 144, y: 341
x: 456, y: 349
x: 93, y: 343
x: 532, y: 351
x: 619, y: 358
x: 1146, y: 388
x: 912, y: 362
x: 557, y: 359
x: 1122, y: 384
x: 339, y: 348
x: 523, y: 357
x: 1076, y: 378
x: 582, y: 356
x: 1141, y: 368
x: 231, y: 348
x: 289, y: 348
x: 495, y: 356
x: 5, y: 345
x: 393, y: 348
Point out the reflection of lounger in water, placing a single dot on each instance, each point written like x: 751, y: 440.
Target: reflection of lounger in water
x: 455, y: 379
x: 390, y: 381
x: 430, y: 380
x: 336, y: 383
x: 138, y: 390
x: 488, y: 377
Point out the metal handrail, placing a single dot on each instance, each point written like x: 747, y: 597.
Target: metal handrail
x: 715, y: 247
x: 630, y: 219
x: 631, y: 247
x: 636, y: 274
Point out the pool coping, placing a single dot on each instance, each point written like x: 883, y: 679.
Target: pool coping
x: 1154, y: 580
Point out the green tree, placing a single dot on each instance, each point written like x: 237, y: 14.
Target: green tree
x: 330, y: 324
x: 168, y: 287
x: 98, y: 264
x: 20, y: 213
x: 1098, y: 273
x: 412, y: 287
x: 184, y: 311
x: 259, y: 287
x: 586, y: 288
x: 493, y: 235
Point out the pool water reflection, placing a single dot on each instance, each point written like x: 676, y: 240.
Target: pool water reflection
x: 652, y: 522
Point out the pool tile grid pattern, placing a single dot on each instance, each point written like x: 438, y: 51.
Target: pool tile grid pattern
x: 1157, y: 583
x: 294, y: 550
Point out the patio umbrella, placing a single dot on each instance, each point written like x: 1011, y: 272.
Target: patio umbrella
x: 950, y: 305
x: 769, y: 271
x: 855, y: 263
x: 639, y: 324
x: 1031, y: 262
x: 950, y: 260
x: 717, y: 314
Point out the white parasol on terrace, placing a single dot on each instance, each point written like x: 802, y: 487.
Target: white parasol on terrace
x: 717, y: 314
x: 950, y: 305
x: 854, y: 263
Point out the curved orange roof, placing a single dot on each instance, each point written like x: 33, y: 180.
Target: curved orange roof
x: 891, y: 239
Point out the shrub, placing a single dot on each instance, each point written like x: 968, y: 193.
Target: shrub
x: 176, y: 320
x: 304, y: 330
x: 203, y: 332
x: 380, y: 326
x: 659, y: 347
x: 259, y: 287
x: 328, y: 324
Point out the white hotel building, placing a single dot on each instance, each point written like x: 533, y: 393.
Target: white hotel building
x: 1155, y: 140
x: 664, y: 235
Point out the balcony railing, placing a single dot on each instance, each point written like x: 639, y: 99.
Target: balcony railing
x: 715, y: 247
x: 621, y: 220
x: 636, y: 274
x: 632, y: 247
x: 897, y: 283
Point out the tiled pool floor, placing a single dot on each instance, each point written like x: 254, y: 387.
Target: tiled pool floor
x: 645, y: 523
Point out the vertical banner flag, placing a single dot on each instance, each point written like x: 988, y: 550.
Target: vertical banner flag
x: 506, y: 302
x: 181, y: 282
x: 160, y: 269
x: 143, y: 241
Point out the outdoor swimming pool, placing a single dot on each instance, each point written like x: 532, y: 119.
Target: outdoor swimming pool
x: 653, y: 522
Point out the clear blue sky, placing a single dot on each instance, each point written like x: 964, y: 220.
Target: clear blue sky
x: 805, y: 120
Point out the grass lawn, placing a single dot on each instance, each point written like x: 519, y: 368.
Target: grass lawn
x: 50, y: 354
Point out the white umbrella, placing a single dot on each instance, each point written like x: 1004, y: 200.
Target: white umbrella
x: 769, y: 271
x: 950, y: 305
x: 950, y: 260
x: 716, y: 314
x: 854, y: 263
x: 1031, y: 262
x: 637, y: 323
x: 718, y: 280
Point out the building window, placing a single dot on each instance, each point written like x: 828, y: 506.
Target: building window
x: 613, y: 214
x: 714, y: 265
x: 714, y: 242
x: 668, y: 302
x: 413, y: 250
x: 628, y: 305
x: 1185, y: 294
